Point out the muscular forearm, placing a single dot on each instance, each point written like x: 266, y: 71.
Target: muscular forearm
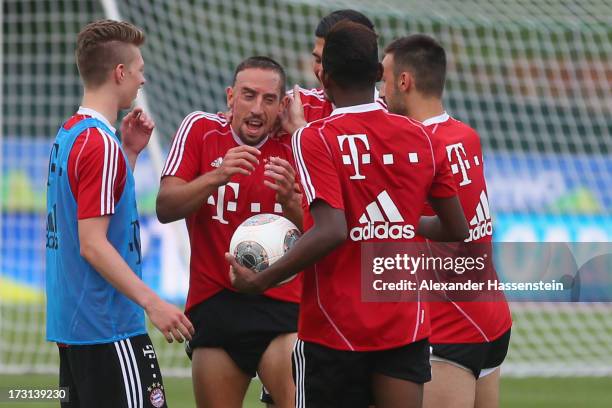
x: 449, y: 223
x: 432, y: 227
x: 311, y: 247
x: 316, y: 243
x: 177, y: 200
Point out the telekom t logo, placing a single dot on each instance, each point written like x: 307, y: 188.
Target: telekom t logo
x: 221, y: 205
x: 459, y: 162
x: 354, y: 157
x: 148, y: 351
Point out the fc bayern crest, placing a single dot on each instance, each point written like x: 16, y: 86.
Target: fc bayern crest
x: 156, y: 395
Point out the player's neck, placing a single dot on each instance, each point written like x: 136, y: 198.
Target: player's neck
x: 353, y: 97
x: 100, y: 101
x: 425, y: 108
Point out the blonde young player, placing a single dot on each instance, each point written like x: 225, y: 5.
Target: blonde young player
x: 95, y: 295
x: 469, y: 339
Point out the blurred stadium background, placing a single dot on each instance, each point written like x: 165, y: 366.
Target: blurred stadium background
x: 532, y: 76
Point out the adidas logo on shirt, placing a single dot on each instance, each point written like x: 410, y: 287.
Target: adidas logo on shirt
x: 480, y: 224
x: 217, y: 162
x: 381, y: 220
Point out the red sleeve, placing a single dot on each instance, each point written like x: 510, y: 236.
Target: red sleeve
x: 314, y: 104
x: 443, y: 185
x: 318, y: 174
x: 96, y: 172
x: 184, y: 157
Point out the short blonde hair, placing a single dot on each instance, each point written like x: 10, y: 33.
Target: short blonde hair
x: 101, y: 46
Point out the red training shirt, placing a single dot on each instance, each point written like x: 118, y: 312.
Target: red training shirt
x: 198, y: 148
x: 467, y: 322
x: 370, y: 164
x: 96, y: 168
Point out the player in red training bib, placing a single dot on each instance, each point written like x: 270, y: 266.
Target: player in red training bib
x: 358, y: 169
x: 469, y: 339
x: 217, y: 174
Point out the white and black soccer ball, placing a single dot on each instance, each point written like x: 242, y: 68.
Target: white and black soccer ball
x: 262, y: 239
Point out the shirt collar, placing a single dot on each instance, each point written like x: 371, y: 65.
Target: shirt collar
x: 436, y: 119
x: 97, y: 115
x: 366, y: 107
x: 376, y: 96
x: 238, y: 140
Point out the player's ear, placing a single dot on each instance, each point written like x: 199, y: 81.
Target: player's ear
x: 119, y: 73
x: 229, y: 92
x: 284, y: 102
x: 404, y: 81
x: 379, y: 74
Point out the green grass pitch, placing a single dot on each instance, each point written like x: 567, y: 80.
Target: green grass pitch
x: 515, y: 393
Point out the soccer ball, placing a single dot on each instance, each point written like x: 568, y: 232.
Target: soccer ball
x: 262, y: 239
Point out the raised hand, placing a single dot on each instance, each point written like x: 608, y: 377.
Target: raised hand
x: 238, y: 160
x: 136, y: 130
x: 292, y: 118
x: 283, y: 175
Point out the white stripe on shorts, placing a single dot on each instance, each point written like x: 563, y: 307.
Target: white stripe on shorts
x: 128, y: 389
x: 136, y: 372
x: 300, y: 367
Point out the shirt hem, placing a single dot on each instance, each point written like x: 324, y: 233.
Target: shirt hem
x: 462, y: 341
x: 362, y: 348
x: 100, y: 341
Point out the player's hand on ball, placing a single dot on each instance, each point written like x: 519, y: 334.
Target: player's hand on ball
x: 243, y: 279
x: 238, y: 160
x: 136, y: 130
x: 170, y: 320
x: 283, y: 175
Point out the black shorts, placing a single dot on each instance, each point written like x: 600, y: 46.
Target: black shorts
x: 120, y: 374
x: 242, y: 325
x: 474, y: 356
x: 325, y: 377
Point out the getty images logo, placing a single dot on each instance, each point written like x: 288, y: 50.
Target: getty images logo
x: 480, y: 224
x: 382, y: 220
